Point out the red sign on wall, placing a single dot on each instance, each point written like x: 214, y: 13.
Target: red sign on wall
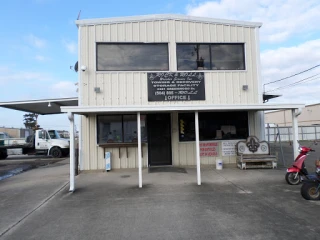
x: 209, y: 149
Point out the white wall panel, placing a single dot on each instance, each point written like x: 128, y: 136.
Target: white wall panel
x: 131, y: 88
x: 136, y: 32
x: 128, y: 32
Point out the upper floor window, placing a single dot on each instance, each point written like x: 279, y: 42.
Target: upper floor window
x: 132, y: 57
x: 222, y: 56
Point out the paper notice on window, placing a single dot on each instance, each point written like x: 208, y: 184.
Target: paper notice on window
x: 209, y: 149
x: 229, y: 148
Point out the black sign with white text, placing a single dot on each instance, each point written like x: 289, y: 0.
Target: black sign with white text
x: 176, y: 86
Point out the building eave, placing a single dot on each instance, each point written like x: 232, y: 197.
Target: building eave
x: 84, y: 110
x: 162, y: 17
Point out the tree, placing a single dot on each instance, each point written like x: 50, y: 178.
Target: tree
x: 30, y: 121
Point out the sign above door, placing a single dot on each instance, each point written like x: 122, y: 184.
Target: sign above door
x: 176, y: 86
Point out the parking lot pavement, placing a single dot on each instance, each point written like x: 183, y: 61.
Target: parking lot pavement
x: 23, y: 193
x: 230, y: 204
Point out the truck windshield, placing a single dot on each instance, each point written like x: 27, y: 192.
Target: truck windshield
x: 54, y: 134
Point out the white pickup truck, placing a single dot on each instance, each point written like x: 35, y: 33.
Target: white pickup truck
x: 46, y: 142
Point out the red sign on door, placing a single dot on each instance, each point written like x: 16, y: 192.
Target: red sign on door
x: 209, y: 149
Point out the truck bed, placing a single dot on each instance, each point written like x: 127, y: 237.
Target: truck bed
x: 12, y: 146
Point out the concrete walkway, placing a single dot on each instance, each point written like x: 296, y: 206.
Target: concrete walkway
x: 230, y: 204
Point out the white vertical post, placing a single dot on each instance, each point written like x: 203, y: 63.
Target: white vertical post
x: 295, y: 133
x: 197, y: 148
x: 139, y: 149
x: 72, y: 151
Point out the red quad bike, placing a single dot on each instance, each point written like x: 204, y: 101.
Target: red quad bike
x: 298, y: 171
x: 310, y: 189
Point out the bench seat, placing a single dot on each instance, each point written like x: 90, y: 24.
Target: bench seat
x: 254, y: 154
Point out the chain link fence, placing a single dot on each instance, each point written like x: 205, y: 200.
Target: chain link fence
x: 306, y: 133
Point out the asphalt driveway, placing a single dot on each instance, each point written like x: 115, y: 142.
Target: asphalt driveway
x: 230, y: 204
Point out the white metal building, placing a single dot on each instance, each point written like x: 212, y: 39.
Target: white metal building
x: 167, y: 90
x: 309, y: 116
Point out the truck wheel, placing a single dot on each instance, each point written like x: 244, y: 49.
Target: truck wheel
x: 56, y: 152
x: 3, y: 155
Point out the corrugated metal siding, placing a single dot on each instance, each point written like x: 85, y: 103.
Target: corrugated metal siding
x: 130, y: 88
x: 217, y: 83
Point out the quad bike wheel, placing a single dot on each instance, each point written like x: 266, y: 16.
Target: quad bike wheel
x: 311, y: 191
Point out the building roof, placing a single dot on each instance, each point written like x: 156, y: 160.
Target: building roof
x: 84, y: 110
x: 158, y: 17
x: 41, y: 106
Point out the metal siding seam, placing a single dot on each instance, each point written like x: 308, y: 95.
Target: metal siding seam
x: 94, y: 65
x: 102, y: 33
x: 258, y: 65
x: 251, y: 72
x: 145, y: 32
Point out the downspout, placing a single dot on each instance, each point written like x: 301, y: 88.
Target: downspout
x: 295, y: 132
x: 260, y: 114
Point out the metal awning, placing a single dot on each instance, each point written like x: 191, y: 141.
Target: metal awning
x: 42, y: 106
x: 84, y: 110
x: 267, y: 97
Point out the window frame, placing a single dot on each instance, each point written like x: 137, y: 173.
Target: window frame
x: 122, y: 129
x: 220, y: 139
x: 132, y: 43
x: 210, y: 54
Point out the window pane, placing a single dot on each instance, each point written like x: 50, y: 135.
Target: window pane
x: 227, y: 57
x: 193, y: 56
x: 132, y: 57
x: 109, y: 129
x: 130, y: 128
x: 214, y: 126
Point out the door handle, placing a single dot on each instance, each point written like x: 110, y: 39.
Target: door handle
x: 38, y: 144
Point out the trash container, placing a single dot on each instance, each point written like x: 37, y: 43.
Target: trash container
x: 219, y: 164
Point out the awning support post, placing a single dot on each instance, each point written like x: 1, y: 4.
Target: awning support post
x: 197, y: 148
x: 72, y: 152
x: 295, y: 132
x: 139, y: 149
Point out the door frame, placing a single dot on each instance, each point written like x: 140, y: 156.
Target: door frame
x: 170, y: 131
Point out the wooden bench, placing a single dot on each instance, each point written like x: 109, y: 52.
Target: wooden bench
x: 254, y: 154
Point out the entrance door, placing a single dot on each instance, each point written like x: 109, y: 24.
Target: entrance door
x: 159, y: 139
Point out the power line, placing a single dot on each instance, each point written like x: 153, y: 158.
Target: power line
x: 297, y: 82
x: 292, y: 75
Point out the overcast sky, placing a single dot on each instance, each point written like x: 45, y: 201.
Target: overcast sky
x: 39, y: 44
